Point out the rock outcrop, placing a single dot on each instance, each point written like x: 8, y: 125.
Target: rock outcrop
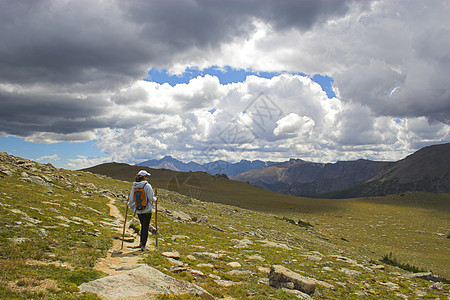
x: 140, y: 282
x: 282, y: 277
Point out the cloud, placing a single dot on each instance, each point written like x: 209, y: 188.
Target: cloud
x: 83, y: 161
x: 257, y: 118
x: 72, y: 71
x: 293, y: 124
x: 53, y: 157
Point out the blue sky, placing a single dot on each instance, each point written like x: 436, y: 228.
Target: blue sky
x: 45, y: 153
x: 228, y: 75
x: 318, y: 80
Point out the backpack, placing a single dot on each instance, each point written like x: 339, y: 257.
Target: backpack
x: 140, y: 199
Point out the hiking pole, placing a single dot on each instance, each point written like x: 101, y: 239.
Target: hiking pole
x: 124, y: 224
x: 156, y: 215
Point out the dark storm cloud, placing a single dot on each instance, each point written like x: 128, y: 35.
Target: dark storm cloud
x: 87, y: 47
x: 210, y: 23
x: 23, y: 115
x: 67, y: 42
x: 82, y: 41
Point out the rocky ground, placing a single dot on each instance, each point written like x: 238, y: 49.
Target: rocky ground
x: 73, y: 226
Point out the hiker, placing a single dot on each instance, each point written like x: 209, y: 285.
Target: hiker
x: 144, y: 210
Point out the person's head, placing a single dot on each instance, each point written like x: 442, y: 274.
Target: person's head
x: 142, y: 175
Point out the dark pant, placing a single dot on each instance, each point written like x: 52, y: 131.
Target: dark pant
x: 145, y: 224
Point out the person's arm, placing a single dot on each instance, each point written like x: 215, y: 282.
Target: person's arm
x: 131, y: 197
x: 149, y: 192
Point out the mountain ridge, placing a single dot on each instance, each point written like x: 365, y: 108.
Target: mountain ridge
x: 424, y: 170
x: 215, y: 167
x: 427, y: 170
x: 302, y: 178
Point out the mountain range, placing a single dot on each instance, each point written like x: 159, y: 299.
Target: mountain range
x: 302, y: 178
x: 425, y: 170
x: 216, y: 167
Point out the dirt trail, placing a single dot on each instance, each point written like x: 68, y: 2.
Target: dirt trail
x: 117, y: 261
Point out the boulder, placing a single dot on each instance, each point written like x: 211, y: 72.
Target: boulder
x: 142, y: 283
x: 424, y: 275
x: 350, y: 272
x: 182, y: 216
x: 172, y: 254
x: 281, y: 276
x: 234, y: 264
x: 208, y: 254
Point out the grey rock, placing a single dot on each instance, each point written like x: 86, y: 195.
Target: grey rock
x: 226, y: 283
x: 350, y: 272
x: 239, y: 272
x: 182, y: 216
x: 42, y: 232
x: 208, y: 254
x: 26, y: 179
x: 280, y: 275
x: 244, y: 243
x: 298, y: 294
x: 175, y: 262
x: 173, y: 254
x: 18, y: 240
x: 210, y: 266
x: 6, y: 172
x: 312, y: 257
x: 141, y: 282
x: 256, y: 257
x: 267, y: 243
x: 179, y: 237
x: 196, y: 273
x: 437, y: 286
x: 234, y: 264
x: 345, y: 259
x: 424, y: 275
x: 191, y: 257
x: 203, y: 219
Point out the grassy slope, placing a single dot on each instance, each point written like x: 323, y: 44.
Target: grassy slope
x: 65, y: 258
x: 413, y: 226
x: 321, y: 242
x: 69, y: 211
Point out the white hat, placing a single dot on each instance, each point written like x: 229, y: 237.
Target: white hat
x: 143, y: 173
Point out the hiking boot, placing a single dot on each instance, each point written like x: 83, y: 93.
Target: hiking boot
x: 143, y: 248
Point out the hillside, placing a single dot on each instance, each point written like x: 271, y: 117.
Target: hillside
x: 426, y: 170
x: 303, y: 178
x: 57, y: 227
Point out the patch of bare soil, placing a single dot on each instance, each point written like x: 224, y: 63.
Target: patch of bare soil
x: 121, y: 259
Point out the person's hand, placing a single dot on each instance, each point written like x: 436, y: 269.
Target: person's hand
x: 155, y: 199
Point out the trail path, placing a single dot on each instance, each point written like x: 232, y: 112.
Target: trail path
x: 117, y: 261
x: 127, y: 280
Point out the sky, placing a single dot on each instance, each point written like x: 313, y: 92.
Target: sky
x: 86, y: 82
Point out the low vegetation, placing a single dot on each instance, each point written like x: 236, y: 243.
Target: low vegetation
x: 52, y: 233
x: 388, y: 259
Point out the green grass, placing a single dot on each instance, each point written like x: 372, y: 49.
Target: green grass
x: 405, y: 223
x: 239, y: 224
x: 414, y: 226
x: 67, y: 250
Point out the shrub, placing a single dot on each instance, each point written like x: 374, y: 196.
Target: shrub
x: 390, y: 260
x: 299, y: 223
